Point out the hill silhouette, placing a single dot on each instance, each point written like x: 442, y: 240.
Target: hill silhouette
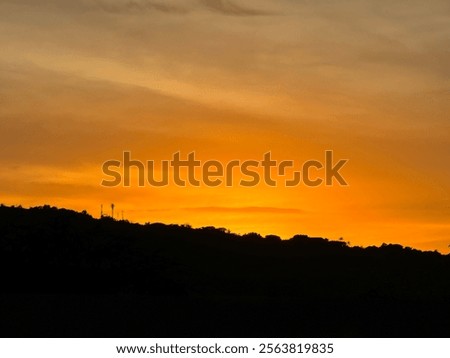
x: 66, y: 274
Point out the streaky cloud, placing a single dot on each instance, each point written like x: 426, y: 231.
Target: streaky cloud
x: 139, y: 6
x: 226, y: 7
x: 246, y: 209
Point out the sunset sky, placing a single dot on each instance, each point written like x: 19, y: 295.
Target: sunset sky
x: 83, y: 81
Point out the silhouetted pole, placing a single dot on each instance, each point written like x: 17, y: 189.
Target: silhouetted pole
x: 112, y: 211
x: 101, y: 210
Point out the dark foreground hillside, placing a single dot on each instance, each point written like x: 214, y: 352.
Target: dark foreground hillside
x: 65, y: 274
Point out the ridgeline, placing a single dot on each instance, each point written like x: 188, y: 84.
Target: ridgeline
x: 66, y: 274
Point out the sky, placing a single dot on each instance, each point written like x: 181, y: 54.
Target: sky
x: 83, y: 81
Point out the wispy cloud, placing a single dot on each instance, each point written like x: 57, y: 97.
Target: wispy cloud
x: 226, y: 7
x: 246, y: 209
x: 141, y: 5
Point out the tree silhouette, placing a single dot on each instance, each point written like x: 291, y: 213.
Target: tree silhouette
x: 68, y: 274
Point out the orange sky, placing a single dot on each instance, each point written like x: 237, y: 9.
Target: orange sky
x: 80, y: 82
